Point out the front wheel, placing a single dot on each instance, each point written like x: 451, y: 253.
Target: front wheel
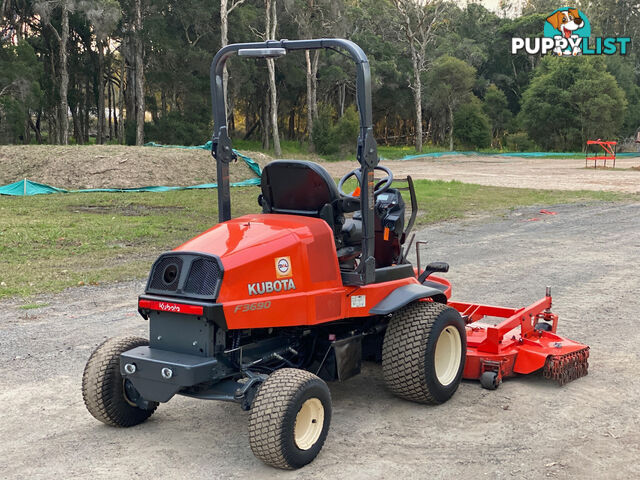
x: 290, y: 418
x: 107, y: 395
x: 424, y: 351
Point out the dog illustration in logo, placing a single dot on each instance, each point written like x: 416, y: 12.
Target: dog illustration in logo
x: 567, y: 22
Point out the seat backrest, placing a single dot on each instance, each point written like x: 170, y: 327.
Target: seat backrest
x: 297, y: 187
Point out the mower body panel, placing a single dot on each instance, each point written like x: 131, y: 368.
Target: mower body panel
x: 282, y: 270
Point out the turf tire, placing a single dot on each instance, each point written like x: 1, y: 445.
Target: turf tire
x: 103, y: 385
x: 273, y: 417
x: 408, y: 352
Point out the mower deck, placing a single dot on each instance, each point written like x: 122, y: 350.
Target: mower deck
x: 522, y: 341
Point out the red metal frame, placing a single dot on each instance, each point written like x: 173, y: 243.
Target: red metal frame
x: 609, y: 150
x: 513, y: 345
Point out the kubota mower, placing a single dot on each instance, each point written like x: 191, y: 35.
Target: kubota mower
x: 261, y: 310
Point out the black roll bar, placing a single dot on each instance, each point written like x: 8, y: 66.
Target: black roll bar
x: 367, y: 153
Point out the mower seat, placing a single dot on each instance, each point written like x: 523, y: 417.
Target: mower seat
x: 299, y: 187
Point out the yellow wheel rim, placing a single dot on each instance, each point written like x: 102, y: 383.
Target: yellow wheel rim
x: 448, y: 355
x: 309, y: 423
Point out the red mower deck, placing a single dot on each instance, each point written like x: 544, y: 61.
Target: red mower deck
x: 522, y: 342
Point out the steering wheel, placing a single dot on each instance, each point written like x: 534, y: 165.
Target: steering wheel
x: 381, y: 186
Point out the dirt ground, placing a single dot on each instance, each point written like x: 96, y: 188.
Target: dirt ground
x: 528, y: 428
x: 113, y: 166
x: 102, y: 166
x: 543, y: 173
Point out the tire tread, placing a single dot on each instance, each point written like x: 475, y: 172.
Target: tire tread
x: 274, y: 399
x: 102, y: 396
x: 404, y: 349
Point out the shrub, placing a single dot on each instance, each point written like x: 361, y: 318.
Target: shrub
x: 176, y: 129
x: 329, y: 138
x: 323, y: 133
x: 471, y: 126
x: 520, y: 142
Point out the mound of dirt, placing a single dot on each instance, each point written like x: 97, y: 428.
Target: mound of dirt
x: 114, y: 166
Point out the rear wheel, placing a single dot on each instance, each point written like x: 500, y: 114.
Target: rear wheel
x: 290, y: 418
x: 107, y: 395
x: 424, y: 352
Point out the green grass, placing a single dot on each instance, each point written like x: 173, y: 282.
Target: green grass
x: 51, y: 242
x: 290, y: 148
x: 33, y: 306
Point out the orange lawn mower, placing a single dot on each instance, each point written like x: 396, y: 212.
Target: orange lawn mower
x: 264, y: 309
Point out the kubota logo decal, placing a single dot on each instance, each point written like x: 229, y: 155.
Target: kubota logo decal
x: 261, y: 288
x: 168, y: 307
x: 283, y: 267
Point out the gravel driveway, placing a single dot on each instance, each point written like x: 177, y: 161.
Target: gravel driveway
x: 528, y: 428
x: 541, y: 173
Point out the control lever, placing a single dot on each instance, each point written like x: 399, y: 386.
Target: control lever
x: 433, y: 267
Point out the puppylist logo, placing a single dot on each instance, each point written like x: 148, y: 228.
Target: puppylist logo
x: 567, y: 32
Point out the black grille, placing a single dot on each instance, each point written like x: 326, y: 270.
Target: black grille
x: 163, y: 274
x: 203, y: 277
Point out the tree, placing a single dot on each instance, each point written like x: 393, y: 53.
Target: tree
x: 419, y: 20
x: 225, y: 10
x: 157, y: 57
x: 271, y: 25
x: 45, y: 10
x: 313, y: 18
x: 570, y: 102
x: 622, y: 68
x: 450, y: 81
x: 139, y: 70
x: 497, y: 109
x: 471, y: 125
x: 103, y: 15
x: 20, y: 91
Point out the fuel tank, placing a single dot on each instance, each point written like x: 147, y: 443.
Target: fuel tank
x: 282, y: 265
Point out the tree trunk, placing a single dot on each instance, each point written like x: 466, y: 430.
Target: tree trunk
x: 231, y: 120
x: 224, y: 41
x: 417, y: 98
x: 314, y: 83
x: 309, y: 100
x: 76, y: 113
x: 120, y: 128
x: 292, y: 123
x: 85, y: 110
x: 274, y: 107
x: 64, y: 76
x: 110, y: 103
x: 36, y: 127
x: 272, y: 24
x: 130, y: 90
x: 100, y: 128
x: 53, y: 122
x: 264, y: 122
x: 451, y: 129
x: 342, y: 94
x: 139, y: 76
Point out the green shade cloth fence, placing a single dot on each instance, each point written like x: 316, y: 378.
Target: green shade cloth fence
x: 512, y: 154
x: 27, y: 188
